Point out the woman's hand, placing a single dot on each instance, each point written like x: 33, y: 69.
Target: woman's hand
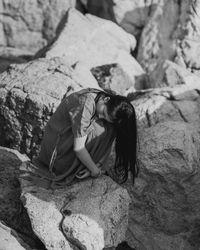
x: 82, y: 174
x: 99, y: 172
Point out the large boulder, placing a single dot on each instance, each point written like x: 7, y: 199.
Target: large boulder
x: 30, y: 25
x: 29, y: 94
x: 90, y: 214
x: 180, y: 103
x: 164, y: 213
x: 12, y: 212
x: 93, y: 41
x: 131, y: 15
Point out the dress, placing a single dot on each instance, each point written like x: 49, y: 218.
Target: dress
x: 75, y: 117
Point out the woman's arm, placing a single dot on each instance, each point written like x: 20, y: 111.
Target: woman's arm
x: 84, y: 156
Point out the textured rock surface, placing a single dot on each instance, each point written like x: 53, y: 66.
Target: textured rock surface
x: 113, y: 77
x: 188, y: 32
x: 164, y: 213
x: 172, y: 33
x: 91, y: 214
x: 94, y: 42
x: 28, y: 24
x: 165, y: 30
x: 174, y: 74
x: 129, y: 14
x: 11, y: 209
x: 12, y: 55
x: 29, y: 94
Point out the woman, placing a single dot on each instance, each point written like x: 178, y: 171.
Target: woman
x: 78, y: 137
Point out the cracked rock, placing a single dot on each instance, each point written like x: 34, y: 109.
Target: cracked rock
x: 90, y: 214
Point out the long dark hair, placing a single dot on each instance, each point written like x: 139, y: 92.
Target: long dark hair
x: 123, y: 115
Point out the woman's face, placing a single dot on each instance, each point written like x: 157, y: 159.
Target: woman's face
x: 101, y: 109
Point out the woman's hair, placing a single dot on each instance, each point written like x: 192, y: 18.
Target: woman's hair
x: 123, y: 115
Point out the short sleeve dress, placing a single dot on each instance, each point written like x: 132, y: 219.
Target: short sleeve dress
x: 75, y: 117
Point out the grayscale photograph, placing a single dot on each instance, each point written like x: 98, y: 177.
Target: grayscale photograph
x: 99, y: 124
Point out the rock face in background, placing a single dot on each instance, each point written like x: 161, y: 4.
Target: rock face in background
x: 172, y: 33
x: 158, y: 39
x: 188, y: 51
x: 12, y: 211
x: 30, y: 25
x: 93, y: 41
x: 129, y: 14
x: 27, y: 26
x: 91, y: 214
x: 166, y: 30
x: 164, y: 213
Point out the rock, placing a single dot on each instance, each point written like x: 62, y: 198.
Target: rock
x: 10, y: 190
x: 91, y: 219
x: 112, y: 77
x: 93, y: 42
x: 30, y: 24
x: 188, y: 49
x: 83, y: 75
x: 166, y: 30
x: 172, y: 33
x: 10, y: 55
x: 175, y: 145
x: 157, y: 42
x: 180, y: 103
x: 11, y: 209
x: 166, y: 193
x: 164, y: 213
x: 9, y: 239
x: 175, y: 75
x: 130, y: 15
x: 29, y: 94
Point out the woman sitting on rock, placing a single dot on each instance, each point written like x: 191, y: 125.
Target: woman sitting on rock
x: 78, y: 137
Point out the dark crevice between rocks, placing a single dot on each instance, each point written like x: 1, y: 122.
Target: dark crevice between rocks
x: 124, y: 246
x: 182, y: 116
x: 3, y: 141
x: 194, y: 9
x: 29, y: 237
x: 168, y: 95
x: 81, y: 7
x: 75, y: 244
x: 194, y: 236
x: 180, y: 112
x: 148, y: 118
x: 64, y: 213
x: 17, y: 219
x: 198, y: 91
x: 121, y: 246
